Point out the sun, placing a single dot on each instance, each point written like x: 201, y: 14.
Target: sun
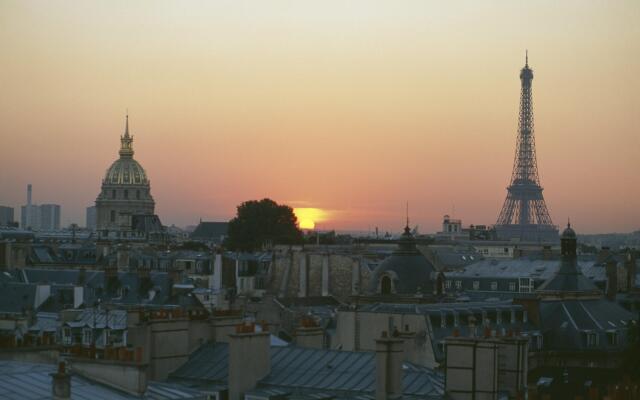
x: 309, y: 217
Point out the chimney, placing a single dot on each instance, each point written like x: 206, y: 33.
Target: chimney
x: 471, y: 367
x: 630, y: 266
x: 325, y: 275
x: 389, y: 356
x: 612, y: 280
x: 216, y: 279
x: 28, y: 195
x: 61, y: 384
x: 309, y: 334
x: 249, y: 360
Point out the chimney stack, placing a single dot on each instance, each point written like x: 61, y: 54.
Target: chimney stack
x: 630, y: 264
x: 61, y: 384
x: 249, y: 359
x: 612, y: 279
x: 389, y: 356
x: 471, y: 368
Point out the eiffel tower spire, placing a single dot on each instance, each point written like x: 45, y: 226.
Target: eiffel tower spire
x: 524, y: 214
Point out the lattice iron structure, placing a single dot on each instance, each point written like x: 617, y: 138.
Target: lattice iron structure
x: 524, y: 214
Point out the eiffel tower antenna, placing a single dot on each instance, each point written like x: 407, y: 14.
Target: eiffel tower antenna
x: 524, y: 214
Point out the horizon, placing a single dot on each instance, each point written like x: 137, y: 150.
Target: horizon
x: 352, y: 109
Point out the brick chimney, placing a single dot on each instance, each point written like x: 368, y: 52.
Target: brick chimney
x: 61, y: 383
x: 249, y: 360
x: 389, y: 356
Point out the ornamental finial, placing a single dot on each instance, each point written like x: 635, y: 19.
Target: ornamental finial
x: 526, y: 58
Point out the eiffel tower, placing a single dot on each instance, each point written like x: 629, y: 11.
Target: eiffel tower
x: 524, y: 215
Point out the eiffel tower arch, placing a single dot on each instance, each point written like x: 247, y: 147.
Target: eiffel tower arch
x: 524, y: 215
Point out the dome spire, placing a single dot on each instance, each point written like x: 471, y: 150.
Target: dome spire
x: 126, y: 141
x: 526, y: 58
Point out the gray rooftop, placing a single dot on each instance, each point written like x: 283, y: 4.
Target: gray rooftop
x: 305, y: 370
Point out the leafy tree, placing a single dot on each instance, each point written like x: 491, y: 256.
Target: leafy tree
x: 259, y: 223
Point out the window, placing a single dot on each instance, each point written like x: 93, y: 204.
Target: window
x: 126, y: 194
x: 66, y: 336
x: 612, y: 338
x: 385, y: 285
x: 456, y: 319
x: 512, y: 286
x: 113, y: 216
x: 526, y: 285
x: 138, y: 194
x: 458, y: 284
x: 506, y: 250
x: 447, y: 284
x: 113, y: 194
x: 537, y: 341
x: 476, y: 285
x: 591, y: 339
x: 494, y: 285
x: 87, y: 336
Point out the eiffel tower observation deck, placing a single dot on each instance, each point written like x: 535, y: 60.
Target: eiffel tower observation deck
x: 524, y: 215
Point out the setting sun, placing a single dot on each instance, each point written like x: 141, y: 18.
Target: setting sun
x: 308, y: 217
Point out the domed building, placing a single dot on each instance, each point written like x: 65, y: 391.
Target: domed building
x: 406, y: 272
x: 125, y: 204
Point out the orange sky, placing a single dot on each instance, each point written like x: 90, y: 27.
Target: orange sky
x: 354, y: 107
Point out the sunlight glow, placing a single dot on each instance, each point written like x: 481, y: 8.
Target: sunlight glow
x: 309, y: 217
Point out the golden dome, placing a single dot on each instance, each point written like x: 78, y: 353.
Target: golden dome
x: 126, y: 170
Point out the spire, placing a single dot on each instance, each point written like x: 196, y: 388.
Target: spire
x: 126, y: 140
x: 407, y: 211
x: 568, y: 222
x: 526, y: 58
x: 126, y: 129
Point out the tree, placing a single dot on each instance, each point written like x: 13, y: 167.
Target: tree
x: 260, y: 223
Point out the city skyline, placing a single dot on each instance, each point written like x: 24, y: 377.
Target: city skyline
x: 357, y: 113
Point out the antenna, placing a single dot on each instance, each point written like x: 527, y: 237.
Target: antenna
x: 526, y: 58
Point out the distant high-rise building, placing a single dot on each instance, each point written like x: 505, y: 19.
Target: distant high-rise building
x: 92, y: 218
x: 49, y: 217
x: 6, y: 216
x: 45, y: 217
x: 29, y: 215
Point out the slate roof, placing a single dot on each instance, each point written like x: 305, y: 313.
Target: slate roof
x: 568, y: 278
x: 23, y: 381
x: 522, y: 267
x: 563, y: 323
x: 407, y: 266
x: 304, y: 370
x: 210, y: 231
x: 26, y: 381
x: 16, y: 297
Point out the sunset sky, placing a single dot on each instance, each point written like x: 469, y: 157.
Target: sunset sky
x: 351, y: 107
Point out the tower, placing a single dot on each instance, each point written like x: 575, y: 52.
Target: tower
x: 524, y: 215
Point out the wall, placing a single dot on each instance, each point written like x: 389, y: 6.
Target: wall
x: 128, y: 377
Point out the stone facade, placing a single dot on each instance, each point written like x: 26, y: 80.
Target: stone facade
x: 300, y: 273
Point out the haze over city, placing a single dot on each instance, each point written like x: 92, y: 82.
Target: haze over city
x: 353, y: 108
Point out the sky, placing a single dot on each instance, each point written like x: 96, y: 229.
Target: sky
x: 351, y: 107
